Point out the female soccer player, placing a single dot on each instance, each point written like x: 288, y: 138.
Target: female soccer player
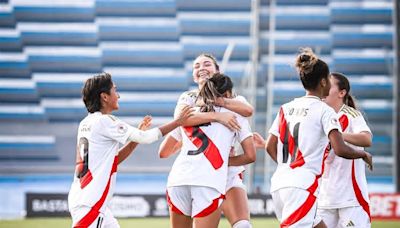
x: 198, y: 178
x: 343, y: 199
x: 235, y: 206
x: 299, y: 141
x: 99, y: 136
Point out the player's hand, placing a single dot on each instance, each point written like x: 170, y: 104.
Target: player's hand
x: 145, y: 123
x: 368, y: 160
x: 228, y: 119
x: 259, y: 141
x: 220, y: 101
x: 185, y: 113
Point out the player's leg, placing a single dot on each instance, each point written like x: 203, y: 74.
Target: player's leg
x: 353, y: 217
x: 179, y: 202
x: 329, y: 216
x: 235, y: 206
x: 86, y: 217
x: 206, y: 206
x: 299, y: 209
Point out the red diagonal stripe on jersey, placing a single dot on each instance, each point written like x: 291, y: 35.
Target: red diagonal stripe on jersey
x: 299, y: 160
x: 89, y: 218
x: 364, y: 204
x: 300, y: 212
x: 344, y: 122
x: 282, y: 125
x: 211, y: 152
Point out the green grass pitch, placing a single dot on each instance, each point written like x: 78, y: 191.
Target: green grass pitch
x: 152, y: 223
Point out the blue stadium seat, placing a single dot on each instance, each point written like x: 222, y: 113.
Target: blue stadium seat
x: 51, y: 11
x: 381, y: 145
x: 212, y: 5
x: 368, y: 61
x: 21, y: 112
x: 364, y: 36
x: 300, y: 2
x: 27, y: 147
x: 63, y: 109
x: 46, y: 34
x: 195, y: 45
x: 147, y: 8
x: 133, y: 79
x: 372, y: 87
x: 142, y: 54
x: 14, y: 65
x: 145, y: 29
x: 215, y: 23
x: 7, y: 16
x: 60, y: 84
x: 377, y: 110
x: 289, y: 41
x: 146, y: 103
x: 10, y: 40
x: 22, y: 90
x: 377, y: 12
x: 297, y: 18
x: 64, y: 59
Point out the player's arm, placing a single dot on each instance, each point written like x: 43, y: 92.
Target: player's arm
x: 235, y: 105
x: 249, y: 155
x: 345, y: 151
x: 128, y: 148
x: 226, y: 118
x: 152, y: 135
x: 272, y: 146
x: 169, y: 146
x: 363, y: 139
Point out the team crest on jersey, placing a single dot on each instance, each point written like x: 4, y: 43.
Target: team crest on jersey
x: 122, y: 128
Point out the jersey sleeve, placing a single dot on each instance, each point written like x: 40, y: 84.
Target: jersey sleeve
x: 241, y: 99
x: 115, y: 129
x: 359, y: 125
x: 245, y: 130
x: 329, y: 120
x: 275, y: 126
x: 176, y: 134
x: 186, y: 98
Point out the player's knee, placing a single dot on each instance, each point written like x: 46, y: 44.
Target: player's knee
x: 242, y: 224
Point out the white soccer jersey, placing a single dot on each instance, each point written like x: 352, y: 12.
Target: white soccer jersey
x: 98, y: 140
x: 344, y: 183
x: 203, y: 160
x: 302, y: 127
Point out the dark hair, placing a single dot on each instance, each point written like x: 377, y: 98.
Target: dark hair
x: 210, y: 56
x: 343, y: 83
x: 94, y: 86
x: 311, y: 69
x: 214, y: 87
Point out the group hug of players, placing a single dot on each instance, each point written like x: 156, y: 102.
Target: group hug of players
x: 317, y: 140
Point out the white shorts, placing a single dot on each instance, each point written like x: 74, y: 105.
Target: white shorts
x: 86, y: 217
x: 194, y: 201
x: 235, y: 180
x: 295, y: 207
x: 345, y: 217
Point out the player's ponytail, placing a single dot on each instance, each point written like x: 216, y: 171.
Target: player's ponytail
x: 344, y: 84
x: 215, y: 87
